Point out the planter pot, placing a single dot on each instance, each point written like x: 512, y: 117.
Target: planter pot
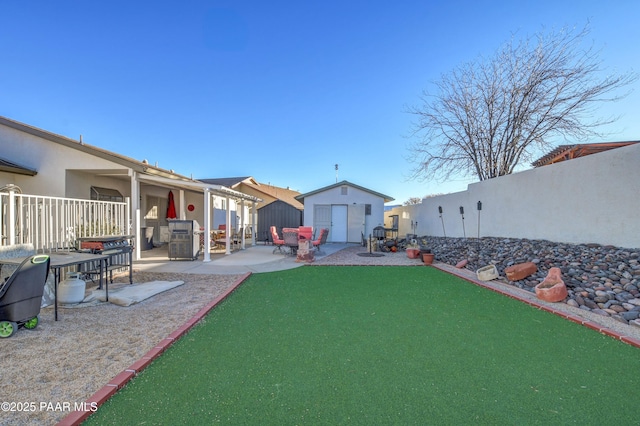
x: 413, y: 253
x: 427, y: 258
x: 487, y: 273
x: 552, y: 288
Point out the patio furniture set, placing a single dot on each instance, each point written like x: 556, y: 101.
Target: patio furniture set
x: 291, y: 238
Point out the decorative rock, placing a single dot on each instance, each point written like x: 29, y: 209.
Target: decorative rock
x: 462, y: 264
x: 520, y: 271
x: 630, y: 315
x: 572, y: 302
x: 552, y: 289
x: 584, y: 269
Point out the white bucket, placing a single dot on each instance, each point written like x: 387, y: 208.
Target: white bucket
x: 72, y: 289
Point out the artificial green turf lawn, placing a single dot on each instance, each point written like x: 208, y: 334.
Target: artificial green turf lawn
x: 381, y: 345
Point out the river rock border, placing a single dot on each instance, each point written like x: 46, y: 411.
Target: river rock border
x: 602, y: 279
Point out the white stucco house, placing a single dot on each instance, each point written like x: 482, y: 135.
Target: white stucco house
x: 349, y: 211
x: 39, y: 162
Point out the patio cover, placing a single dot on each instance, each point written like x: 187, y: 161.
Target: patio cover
x: 207, y: 189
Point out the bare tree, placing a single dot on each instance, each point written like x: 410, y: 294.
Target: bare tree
x: 412, y: 201
x: 490, y: 115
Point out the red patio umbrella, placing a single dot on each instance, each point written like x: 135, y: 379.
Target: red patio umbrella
x: 171, y: 208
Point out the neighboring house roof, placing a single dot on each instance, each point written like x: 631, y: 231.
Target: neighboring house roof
x: 568, y: 152
x: 228, y: 182
x: 283, y: 194
x: 8, y: 166
x: 269, y: 191
x: 386, y: 198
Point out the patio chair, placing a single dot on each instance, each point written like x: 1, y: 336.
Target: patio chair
x: 277, y: 241
x: 236, y: 238
x: 21, y: 295
x: 322, y: 238
x: 305, y: 232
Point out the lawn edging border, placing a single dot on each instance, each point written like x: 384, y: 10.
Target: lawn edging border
x: 573, y: 318
x: 120, y: 380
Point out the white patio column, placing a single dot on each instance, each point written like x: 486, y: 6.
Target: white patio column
x: 12, y: 217
x: 242, y: 224
x: 135, y: 207
x: 183, y: 212
x: 254, y: 223
x: 207, y: 226
x: 228, y: 226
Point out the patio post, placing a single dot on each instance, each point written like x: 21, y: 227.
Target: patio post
x: 227, y: 235
x: 207, y: 226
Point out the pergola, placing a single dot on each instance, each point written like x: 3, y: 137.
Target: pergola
x: 568, y: 152
x: 208, y: 190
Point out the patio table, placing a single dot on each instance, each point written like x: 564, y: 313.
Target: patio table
x: 290, y: 238
x: 59, y: 260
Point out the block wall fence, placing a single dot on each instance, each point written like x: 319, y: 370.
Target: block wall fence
x: 592, y: 199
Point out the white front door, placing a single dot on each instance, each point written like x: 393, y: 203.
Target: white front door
x: 338, y: 233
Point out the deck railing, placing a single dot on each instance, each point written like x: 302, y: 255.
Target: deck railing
x: 53, y: 223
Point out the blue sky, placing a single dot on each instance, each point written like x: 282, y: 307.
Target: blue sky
x: 278, y: 90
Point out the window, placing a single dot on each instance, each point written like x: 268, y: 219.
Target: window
x: 106, y: 194
x: 367, y: 209
x: 343, y: 190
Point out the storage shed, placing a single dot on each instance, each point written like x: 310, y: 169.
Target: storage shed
x: 279, y: 214
x: 349, y: 211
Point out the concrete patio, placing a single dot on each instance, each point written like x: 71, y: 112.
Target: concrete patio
x: 255, y: 259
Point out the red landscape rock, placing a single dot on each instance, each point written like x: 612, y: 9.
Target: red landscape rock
x: 520, y: 271
x: 462, y: 264
x: 552, y: 288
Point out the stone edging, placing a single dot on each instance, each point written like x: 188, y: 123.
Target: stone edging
x: 120, y: 380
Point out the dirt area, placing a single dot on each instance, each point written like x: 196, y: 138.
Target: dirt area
x: 69, y: 360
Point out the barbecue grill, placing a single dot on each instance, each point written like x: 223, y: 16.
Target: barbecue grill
x: 119, y: 249
x: 184, y: 239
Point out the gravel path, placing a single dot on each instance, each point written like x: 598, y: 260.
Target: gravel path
x: 69, y: 360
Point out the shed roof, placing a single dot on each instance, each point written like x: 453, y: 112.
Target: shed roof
x: 386, y: 198
x: 568, y: 152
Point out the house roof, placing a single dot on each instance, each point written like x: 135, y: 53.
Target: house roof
x: 568, y: 152
x: 229, y: 182
x: 283, y: 194
x: 8, y: 166
x: 386, y: 198
x: 147, y: 172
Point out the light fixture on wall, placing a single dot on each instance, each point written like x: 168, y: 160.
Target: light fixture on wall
x: 442, y: 220
x: 464, y: 233
x: 479, y: 208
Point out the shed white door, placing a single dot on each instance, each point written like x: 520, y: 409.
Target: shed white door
x: 338, y: 233
x: 322, y: 219
x: 356, y: 223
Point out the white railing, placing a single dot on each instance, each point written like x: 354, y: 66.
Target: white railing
x: 53, y: 223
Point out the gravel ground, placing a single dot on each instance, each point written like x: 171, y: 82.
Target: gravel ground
x: 69, y: 360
